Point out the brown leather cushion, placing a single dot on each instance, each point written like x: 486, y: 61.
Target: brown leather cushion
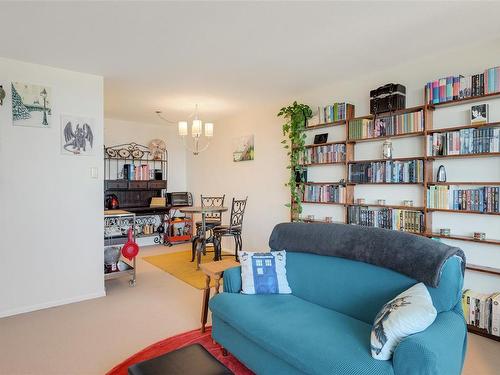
x: 190, y: 360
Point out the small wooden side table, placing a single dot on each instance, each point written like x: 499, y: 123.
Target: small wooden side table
x: 213, y: 270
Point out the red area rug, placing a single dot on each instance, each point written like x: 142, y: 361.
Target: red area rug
x: 179, y: 341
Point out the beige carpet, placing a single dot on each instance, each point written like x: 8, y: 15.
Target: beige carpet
x: 89, y: 338
x: 180, y: 266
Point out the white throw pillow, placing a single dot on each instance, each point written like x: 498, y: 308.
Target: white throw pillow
x: 410, y: 312
x: 264, y: 273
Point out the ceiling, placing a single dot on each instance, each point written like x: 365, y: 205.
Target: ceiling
x: 227, y: 56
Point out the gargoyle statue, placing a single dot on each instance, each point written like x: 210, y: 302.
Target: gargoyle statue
x: 76, y: 141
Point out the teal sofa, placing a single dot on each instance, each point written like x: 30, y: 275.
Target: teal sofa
x: 324, y: 326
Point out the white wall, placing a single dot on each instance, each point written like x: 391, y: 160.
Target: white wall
x: 120, y: 131
x: 262, y: 180
x: 51, y: 249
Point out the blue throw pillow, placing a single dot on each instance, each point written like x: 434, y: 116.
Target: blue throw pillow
x: 264, y: 273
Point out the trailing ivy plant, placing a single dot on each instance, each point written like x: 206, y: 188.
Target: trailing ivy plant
x: 296, y: 116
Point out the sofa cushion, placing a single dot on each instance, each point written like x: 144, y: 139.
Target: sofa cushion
x: 360, y: 289
x: 264, y: 273
x: 314, y: 339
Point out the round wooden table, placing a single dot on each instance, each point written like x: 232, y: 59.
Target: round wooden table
x: 203, y: 211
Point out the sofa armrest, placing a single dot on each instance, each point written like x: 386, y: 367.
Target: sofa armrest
x: 440, y: 349
x: 232, y: 280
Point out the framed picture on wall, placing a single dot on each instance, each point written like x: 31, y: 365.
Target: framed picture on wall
x: 31, y: 105
x: 243, y: 148
x: 77, y: 135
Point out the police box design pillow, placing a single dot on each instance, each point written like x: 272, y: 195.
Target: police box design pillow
x: 264, y: 273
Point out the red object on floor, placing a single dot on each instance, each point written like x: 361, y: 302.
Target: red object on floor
x: 179, y: 341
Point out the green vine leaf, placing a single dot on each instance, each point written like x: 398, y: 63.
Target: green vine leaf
x: 296, y: 116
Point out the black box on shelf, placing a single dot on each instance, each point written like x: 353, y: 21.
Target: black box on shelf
x: 387, y: 98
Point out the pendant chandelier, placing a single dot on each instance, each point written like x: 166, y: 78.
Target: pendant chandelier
x: 198, y: 129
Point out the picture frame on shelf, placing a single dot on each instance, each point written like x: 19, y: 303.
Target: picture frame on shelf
x: 320, y: 138
x: 479, y: 114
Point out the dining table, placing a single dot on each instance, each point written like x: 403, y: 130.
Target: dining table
x: 201, y: 237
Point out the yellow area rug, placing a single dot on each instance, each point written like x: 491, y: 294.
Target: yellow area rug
x: 179, y: 265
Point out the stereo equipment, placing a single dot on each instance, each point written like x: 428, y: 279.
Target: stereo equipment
x: 387, y: 98
x: 178, y: 199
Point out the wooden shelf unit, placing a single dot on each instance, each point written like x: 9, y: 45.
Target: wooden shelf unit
x: 373, y: 139
x: 476, y: 183
x: 484, y: 269
x: 397, y: 207
x: 471, y: 99
x: 332, y: 203
x: 326, y: 125
x: 464, y: 238
x: 428, y: 176
x: 462, y: 211
x: 482, y: 332
x: 464, y: 156
x: 471, y: 126
x: 318, y: 164
x: 326, y: 144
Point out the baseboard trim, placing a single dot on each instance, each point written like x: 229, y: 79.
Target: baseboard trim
x: 41, y: 306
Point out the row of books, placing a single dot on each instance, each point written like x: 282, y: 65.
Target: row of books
x: 481, y: 199
x: 464, y: 141
x: 136, y: 172
x: 386, y: 126
x: 324, y: 193
x: 459, y: 87
x: 482, y: 310
x: 332, y: 113
x: 387, y: 171
x: 387, y: 218
x: 324, y: 154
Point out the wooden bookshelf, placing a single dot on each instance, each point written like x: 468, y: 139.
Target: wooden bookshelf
x: 475, y: 183
x: 322, y: 183
x: 326, y: 125
x: 383, y: 160
x: 483, y: 269
x: 385, y: 183
x: 471, y: 126
x: 463, y: 156
x: 331, y: 203
x: 471, y: 99
x: 397, y: 207
x: 318, y: 164
x: 373, y: 139
x: 482, y: 332
x: 462, y: 211
x: 464, y: 238
x: 325, y: 144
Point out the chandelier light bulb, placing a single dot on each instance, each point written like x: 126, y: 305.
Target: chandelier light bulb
x: 209, y: 129
x: 196, y: 128
x: 183, y: 128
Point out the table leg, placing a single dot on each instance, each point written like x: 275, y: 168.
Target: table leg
x: 201, y: 250
x: 204, y: 306
x: 217, y: 283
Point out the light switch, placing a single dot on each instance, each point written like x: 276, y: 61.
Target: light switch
x: 93, y: 172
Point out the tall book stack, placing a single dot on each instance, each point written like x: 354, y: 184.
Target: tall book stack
x: 464, y: 141
x: 481, y: 199
x: 336, y: 112
x: 389, y: 171
x: 387, y: 218
x: 386, y: 125
x: 459, y: 87
x: 324, y: 154
x: 324, y: 193
x: 482, y: 310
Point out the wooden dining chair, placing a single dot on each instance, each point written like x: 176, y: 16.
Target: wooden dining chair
x: 212, y: 219
x: 234, y: 229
